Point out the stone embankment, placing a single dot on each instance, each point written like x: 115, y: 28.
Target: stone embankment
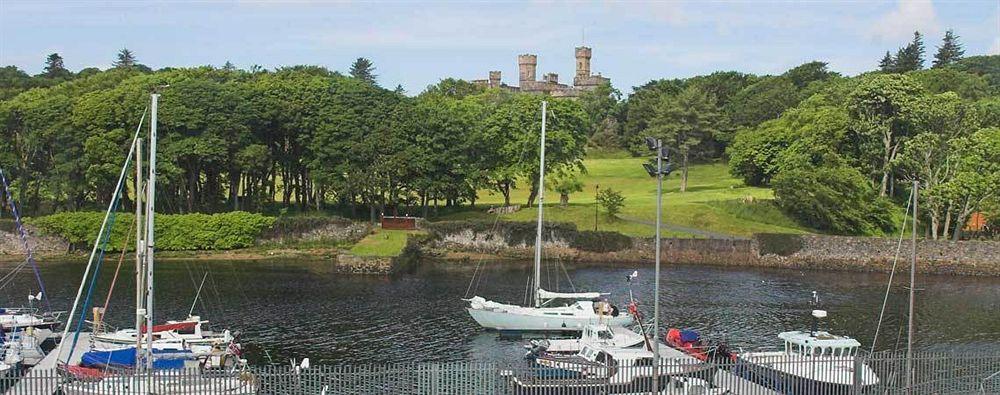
x: 980, y: 258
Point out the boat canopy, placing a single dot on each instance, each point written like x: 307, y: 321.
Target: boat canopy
x: 125, y: 358
x: 546, y: 295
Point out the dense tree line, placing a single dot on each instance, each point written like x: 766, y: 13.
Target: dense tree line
x: 839, y: 151
x: 303, y: 136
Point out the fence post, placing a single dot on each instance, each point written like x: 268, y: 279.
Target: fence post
x: 859, y: 365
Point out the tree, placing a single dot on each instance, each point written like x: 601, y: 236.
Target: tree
x: 887, y: 64
x: 950, y: 50
x: 762, y: 101
x: 363, y: 69
x: 880, y: 107
x: 612, y: 201
x: 599, y: 104
x: 54, y: 67
x: 977, y: 175
x: 806, y: 73
x: 565, y: 184
x: 126, y: 59
x: 911, y: 57
x: 685, y: 123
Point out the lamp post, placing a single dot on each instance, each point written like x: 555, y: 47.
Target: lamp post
x: 597, y: 190
x: 660, y: 169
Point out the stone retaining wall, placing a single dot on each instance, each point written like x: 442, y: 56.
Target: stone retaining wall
x: 10, y: 243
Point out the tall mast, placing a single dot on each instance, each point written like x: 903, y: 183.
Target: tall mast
x: 913, y: 276
x: 150, y: 243
x: 541, y: 198
x: 140, y: 254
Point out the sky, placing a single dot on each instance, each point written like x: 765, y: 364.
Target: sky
x: 415, y: 44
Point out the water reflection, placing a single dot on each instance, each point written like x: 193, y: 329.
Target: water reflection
x: 287, y: 310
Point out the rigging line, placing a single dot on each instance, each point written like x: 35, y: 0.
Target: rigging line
x: 111, y: 288
x: 892, y: 273
x: 24, y: 241
x: 482, y: 257
x: 568, y: 278
x: 197, y: 295
x: 97, y: 271
x: 90, y: 261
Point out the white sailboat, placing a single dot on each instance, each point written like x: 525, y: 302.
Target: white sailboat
x: 551, y: 311
x: 132, y: 368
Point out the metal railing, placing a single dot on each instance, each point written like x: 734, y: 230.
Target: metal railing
x: 880, y: 373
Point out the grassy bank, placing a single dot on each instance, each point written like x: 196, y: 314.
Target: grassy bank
x: 714, y: 202
x: 382, y: 242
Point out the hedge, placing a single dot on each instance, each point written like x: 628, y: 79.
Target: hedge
x: 174, y: 232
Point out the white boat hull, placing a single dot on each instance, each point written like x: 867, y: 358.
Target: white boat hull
x: 535, y: 320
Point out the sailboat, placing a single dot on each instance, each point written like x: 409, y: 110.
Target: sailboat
x: 132, y: 369
x: 550, y: 311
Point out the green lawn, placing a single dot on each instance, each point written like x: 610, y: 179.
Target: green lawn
x: 715, y: 202
x: 382, y: 242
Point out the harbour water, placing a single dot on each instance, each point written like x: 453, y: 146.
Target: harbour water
x: 300, y: 309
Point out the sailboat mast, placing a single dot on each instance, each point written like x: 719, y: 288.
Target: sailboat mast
x: 150, y: 243
x: 541, y: 198
x: 913, y: 277
x: 140, y: 288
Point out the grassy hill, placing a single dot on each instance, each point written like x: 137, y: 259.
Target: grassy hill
x: 715, y: 203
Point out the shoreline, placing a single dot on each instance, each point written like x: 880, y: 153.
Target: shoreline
x: 342, y: 261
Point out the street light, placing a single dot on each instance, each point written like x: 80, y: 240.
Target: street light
x: 661, y: 168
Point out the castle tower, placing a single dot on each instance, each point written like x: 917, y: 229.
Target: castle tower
x: 526, y: 65
x: 583, y: 62
x: 494, y: 79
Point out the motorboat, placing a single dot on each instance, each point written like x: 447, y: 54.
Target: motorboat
x: 607, y: 369
x: 617, y: 336
x: 809, y: 362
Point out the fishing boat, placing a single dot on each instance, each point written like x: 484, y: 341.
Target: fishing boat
x: 136, y: 368
x: 809, y: 362
x: 550, y: 311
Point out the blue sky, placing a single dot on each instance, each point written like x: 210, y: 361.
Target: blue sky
x: 418, y: 43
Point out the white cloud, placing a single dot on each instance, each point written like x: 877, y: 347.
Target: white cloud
x: 905, y: 18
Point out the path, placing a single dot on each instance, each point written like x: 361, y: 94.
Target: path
x: 677, y: 228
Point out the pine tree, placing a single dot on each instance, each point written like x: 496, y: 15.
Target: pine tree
x: 911, y: 57
x: 126, y: 59
x: 363, y: 69
x: 950, y: 50
x: 54, y: 66
x: 229, y: 66
x: 887, y: 64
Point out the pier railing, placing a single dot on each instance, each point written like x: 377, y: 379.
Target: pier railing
x: 762, y: 375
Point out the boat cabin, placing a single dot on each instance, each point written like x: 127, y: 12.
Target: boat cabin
x: 819, y: 344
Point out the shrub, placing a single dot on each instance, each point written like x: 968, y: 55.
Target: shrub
x: 836, y: 199
x: 611, y: 200
x: 175, y: 232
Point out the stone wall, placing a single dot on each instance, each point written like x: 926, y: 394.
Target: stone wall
x: 876, y: 254
x: 10, y: 243
x: 763, y: 250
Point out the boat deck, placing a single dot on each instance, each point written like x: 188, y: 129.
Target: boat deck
x: 39, y: 379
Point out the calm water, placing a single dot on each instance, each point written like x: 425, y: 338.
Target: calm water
x: 300, y: 309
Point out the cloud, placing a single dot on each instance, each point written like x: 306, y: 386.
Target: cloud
x: 907, y: 16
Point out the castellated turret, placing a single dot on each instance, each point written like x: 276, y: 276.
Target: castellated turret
x: 583, y: 62
x: 526, y: 66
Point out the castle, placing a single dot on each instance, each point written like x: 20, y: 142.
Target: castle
x: 527, y: 64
